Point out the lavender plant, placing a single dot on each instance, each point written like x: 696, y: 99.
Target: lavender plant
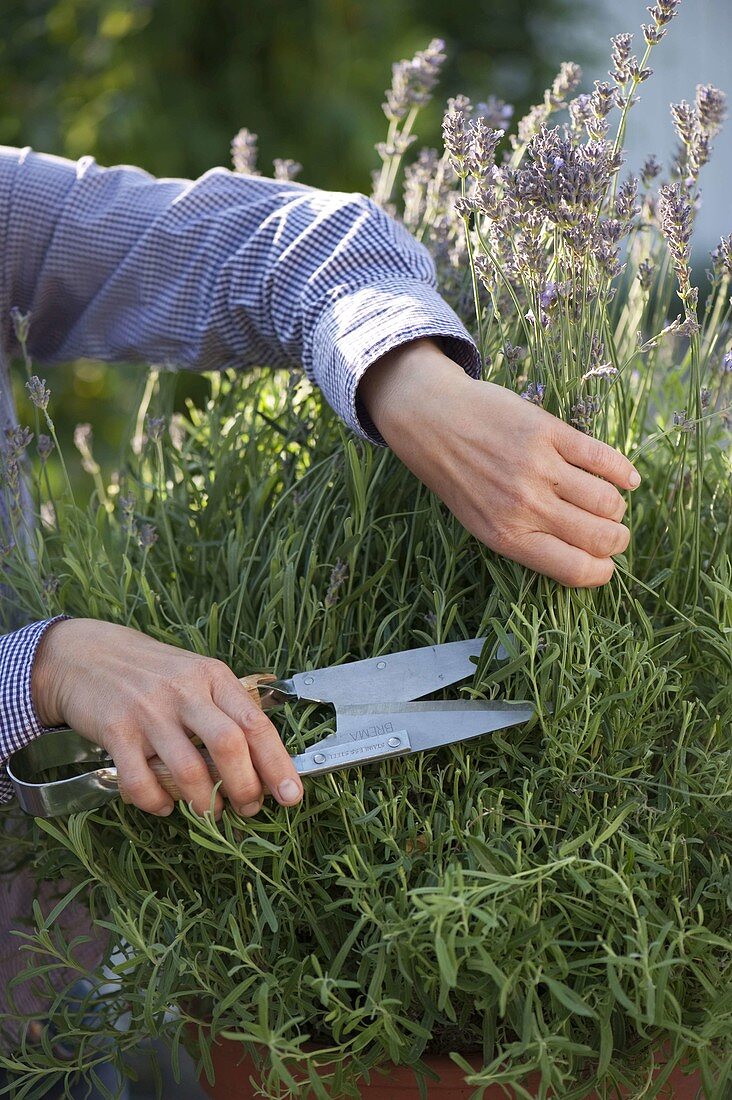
x: 555, y: 900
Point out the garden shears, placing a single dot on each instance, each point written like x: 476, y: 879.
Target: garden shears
x: 377, y: 717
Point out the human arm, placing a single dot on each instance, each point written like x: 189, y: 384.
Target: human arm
x: 226, y: 270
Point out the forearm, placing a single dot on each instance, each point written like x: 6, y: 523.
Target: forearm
x: 227, y: 270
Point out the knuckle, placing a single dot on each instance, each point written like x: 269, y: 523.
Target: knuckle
x: 120, y: 733
x: 190, y: 771
x: 226, y: 742
x: 207, y: 669
x: 255, y: 722
x: 599, y: 455
x: 609, y: 502
x: 600, y: 542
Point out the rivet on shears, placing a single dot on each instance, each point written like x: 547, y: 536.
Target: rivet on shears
x: 319, y: 758
x: 381, y: 664
x: 309, y: 679
x: 393, y: 742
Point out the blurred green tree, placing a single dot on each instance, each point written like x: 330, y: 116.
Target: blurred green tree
x: 166, y: 83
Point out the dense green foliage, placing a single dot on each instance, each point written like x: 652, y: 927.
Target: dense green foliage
x: 556, y: 897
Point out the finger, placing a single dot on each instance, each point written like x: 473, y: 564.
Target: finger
x: 593, y: 494
x: 137, y: 783
x: 595, y: 456
x: 564, y: 562
x: 186, y: 766
x: 602, y: 538
x: 270, y: 757
x: 227, y: 743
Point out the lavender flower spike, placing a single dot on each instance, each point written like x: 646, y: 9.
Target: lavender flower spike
x: 413, y: 81
x: 38, y: 392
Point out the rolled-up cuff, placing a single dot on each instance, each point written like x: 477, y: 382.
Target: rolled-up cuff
x: 19, y: 723
x: 361, y: 326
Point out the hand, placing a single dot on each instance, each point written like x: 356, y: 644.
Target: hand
x: 526, y: 484
x: 140, y: 698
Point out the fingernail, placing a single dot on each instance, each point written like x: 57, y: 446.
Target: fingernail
x: 250, y: 809
x: 289, y: 790
x: 634, y: 480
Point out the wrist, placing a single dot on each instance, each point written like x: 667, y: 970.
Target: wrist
x: 396, y: 385
x: 46, y: 673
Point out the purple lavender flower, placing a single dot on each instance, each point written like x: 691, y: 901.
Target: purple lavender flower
x: 513, y: 354
x: 652, y: 34
x: 495, y: 113
x: 155, y: 426
x: 722, y: 257
x: 338, y: 577
x: 727, y: 362
x: 675, y: 215
x: 548, y: 296
x: 18, y: 440
x: 413, y: 81
x: 683, y: 422
x: 456, y: 135
x: 484, y: 143
x: 711, y: 108
x: 583, y: 413
x: 621, y: 47
x: 534, y: 393
x: 45, y: 447
x: 651, y: 168
x: 148, y: 536
x: 567, y: 79
x: 38, y: 392
x: 664, y: 11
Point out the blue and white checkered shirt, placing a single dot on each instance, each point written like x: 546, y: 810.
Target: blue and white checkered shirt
x: 226, y: 271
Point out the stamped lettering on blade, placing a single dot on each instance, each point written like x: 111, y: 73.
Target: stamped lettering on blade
x: 372, y: 731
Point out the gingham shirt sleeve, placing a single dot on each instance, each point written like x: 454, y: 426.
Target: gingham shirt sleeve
x: 229, y: 270
x: 19, y: 722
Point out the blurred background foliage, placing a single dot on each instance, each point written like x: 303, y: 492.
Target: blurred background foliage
x: 165, y: 84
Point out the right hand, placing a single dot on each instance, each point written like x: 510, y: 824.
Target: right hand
x: 139, y: 698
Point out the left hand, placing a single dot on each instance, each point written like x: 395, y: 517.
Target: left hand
x: 525, y: 483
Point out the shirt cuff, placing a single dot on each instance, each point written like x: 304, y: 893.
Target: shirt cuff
x: 19, y: 723
x: 362, y: 325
